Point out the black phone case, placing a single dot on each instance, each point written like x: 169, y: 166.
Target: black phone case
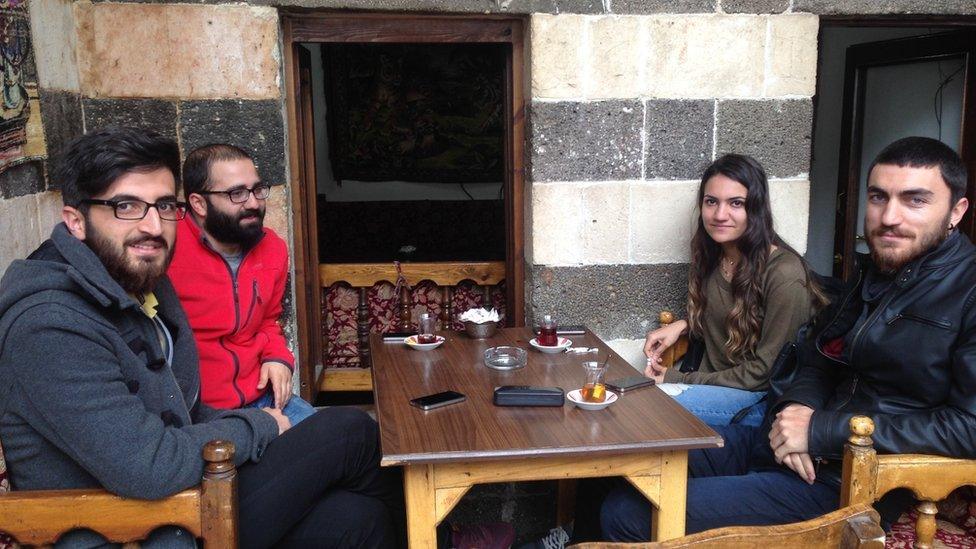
x: 525, y: 395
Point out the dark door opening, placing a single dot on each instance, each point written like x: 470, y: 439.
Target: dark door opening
x: 408, y: 137
x: 877, y: 83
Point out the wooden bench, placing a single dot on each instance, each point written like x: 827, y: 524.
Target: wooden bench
x: 363, y: 276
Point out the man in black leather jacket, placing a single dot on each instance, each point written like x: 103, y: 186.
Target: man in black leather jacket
x: 898, y: 345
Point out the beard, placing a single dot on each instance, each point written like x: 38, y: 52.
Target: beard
x: 227, y: 227
x: 137, y: 276
x: 890, y: 260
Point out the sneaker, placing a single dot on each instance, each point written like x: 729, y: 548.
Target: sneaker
x: 490, y: 535
x: 557, y: 538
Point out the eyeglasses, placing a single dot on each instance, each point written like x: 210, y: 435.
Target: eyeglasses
x: 134, y: 210
x: 239, y: 196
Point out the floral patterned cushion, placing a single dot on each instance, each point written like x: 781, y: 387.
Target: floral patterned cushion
x: 340, y: 303
x: 956, y: 523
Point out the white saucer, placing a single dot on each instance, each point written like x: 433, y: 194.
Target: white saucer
x: 412, y: 342
x: 564, y: 344
x: 575, y: 398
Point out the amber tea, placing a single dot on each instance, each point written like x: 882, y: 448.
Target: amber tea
x: 593, y: 388
x: 594, y: 392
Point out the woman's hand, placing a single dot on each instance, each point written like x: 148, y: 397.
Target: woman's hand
x: 658, y: 341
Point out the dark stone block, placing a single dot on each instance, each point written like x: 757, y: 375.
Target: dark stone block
x: 679, y: 138
x: 777, y: 133
x: 586, y: 141
x: 255, y: 126
x: 577, y: 6
x: 22, y: 179
x: 755, y: 6
x: 615, y: 301
x: 662, y: 6
x: 871, y: 7
x: 441, y: 6
x: 61, y: 116
x: 157, y: 115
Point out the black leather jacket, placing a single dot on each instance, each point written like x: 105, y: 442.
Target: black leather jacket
x: 912, y: 362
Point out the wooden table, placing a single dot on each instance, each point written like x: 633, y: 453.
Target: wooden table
x: 644, y: 437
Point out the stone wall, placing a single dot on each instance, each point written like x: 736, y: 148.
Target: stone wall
x: 29, y: 207
x: 626, y: 112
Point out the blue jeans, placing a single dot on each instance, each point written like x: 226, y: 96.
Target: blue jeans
x: 296, y: 410
x: 724, y: 490
x: 717, y: 405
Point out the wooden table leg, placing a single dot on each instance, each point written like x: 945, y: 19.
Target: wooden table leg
x: 668, y: 522
x: 565, y: 501
x: 418, y: 487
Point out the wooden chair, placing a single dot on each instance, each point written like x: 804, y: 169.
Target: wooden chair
x: 673, y: 353
x: 208, y: 511
x: 849, y: 528
x: 868, y: 476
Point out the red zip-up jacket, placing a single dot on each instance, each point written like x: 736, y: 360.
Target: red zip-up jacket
x: 234, y: 319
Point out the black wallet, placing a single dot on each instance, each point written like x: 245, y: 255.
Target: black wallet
x: 525, y: 395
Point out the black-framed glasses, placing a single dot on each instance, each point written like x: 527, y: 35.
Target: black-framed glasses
x: 239, y: 196
x: 132, y: 209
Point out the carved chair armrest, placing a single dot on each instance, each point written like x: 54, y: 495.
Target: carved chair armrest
x: 208, y: 511
x: 673, y: 353
x: 851, y: 527
x: 868, y: 476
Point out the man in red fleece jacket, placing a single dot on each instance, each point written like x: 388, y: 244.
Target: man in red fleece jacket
x: 229, y: 272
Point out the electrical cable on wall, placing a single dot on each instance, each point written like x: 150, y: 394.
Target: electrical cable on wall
x: 938, y: 99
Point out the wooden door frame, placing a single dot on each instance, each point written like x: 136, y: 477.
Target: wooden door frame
x: 323, y: 27
x: 861, y: 57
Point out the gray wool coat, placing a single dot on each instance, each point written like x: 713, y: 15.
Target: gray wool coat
x: 87, y: 398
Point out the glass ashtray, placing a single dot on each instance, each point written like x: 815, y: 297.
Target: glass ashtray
x: 505, y: 358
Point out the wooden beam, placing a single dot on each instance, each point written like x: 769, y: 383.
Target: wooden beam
x: 448, y: 273
x: 346, y: 379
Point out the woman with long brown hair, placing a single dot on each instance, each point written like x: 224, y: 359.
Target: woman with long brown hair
x: 748, y: 294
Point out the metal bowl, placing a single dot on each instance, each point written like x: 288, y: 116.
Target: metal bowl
x: 480, y: 331
x: 505, y: 358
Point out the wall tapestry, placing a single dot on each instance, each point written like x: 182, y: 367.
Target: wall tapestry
x: 21, y: 134
x: 412, y: 112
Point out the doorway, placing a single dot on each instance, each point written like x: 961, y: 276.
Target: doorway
x: 407, y: 138
x: 877, y: 84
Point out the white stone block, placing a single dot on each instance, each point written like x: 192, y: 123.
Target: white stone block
x: 792, y: 55
x: 616, y: 57
x: 178, y: 50
x: 705, y: 56
x: 556, y: 224
x: 48, y: 213
x: 606, y: 223
x: 790, y: 199
x: 663, y: 216
x: 556, y: 52
x: 55, y: 43
x: 19, y: 227
x: 631, y: 350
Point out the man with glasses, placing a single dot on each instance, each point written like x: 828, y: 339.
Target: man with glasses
x: 229, y: 272
x: 99, y: 385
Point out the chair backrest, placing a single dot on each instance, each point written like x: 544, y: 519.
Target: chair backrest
x: 868, y: 476
x: 208, y: 511
x: 855, y: 527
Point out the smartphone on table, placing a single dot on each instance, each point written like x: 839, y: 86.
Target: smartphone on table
x: 438, y: 400
x: 629, y: 383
